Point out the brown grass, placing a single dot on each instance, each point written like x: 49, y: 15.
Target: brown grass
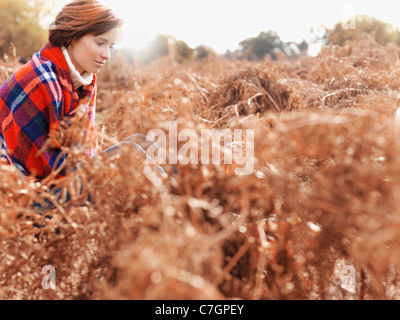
x: 323, y: 193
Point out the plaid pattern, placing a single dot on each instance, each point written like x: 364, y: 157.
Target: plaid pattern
x: 33, y: 101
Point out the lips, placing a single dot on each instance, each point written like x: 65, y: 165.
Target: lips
x: 100, y: 64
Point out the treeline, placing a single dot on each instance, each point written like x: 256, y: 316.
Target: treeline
x: 24, y: 25
x: 269, y: 43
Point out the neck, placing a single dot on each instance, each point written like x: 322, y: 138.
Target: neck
x: 79, y: 79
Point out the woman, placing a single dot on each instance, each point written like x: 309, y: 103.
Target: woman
x: 59, y: 78
x: 58, y: 84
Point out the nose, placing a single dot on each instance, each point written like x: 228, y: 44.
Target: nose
x: 106, y: 53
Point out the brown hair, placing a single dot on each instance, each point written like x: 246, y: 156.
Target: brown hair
x: 79, y: 18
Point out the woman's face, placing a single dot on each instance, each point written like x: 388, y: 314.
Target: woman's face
x: 90, y: 52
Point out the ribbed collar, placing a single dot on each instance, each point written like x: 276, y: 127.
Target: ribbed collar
x: 77, y: 79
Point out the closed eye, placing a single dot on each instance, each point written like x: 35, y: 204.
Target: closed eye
x: 101, y: 41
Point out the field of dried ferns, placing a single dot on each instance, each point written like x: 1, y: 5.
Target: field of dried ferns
x: 323, y: 194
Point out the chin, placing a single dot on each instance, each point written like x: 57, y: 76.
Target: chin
x: 93, y: 70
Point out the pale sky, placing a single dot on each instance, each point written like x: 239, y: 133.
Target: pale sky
x: 222, y: 24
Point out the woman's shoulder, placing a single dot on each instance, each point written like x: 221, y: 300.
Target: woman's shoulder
x: 33, y: 69
x: 46, y: 64
x: 35, y: 75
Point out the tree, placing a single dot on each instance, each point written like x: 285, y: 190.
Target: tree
x: 21, y: 23
x: 257, y: 48
x: 384, y: 32
x: 268, y: 43
x: 163, y: 45
x: 185, y: 53
x: 202, y: 52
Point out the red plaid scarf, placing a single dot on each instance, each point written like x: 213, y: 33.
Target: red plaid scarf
x: 33, y: 102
